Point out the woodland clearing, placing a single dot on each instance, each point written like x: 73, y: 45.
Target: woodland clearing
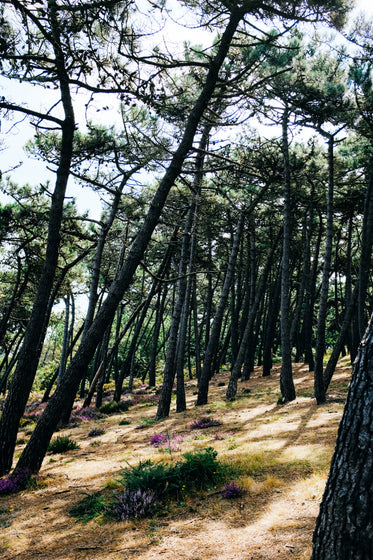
x: 285, y: 451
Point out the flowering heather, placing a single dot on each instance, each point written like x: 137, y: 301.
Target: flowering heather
x: 204, y: 422
x: 222, y: 435
x: 168, y: 441
x: 33, y: 411
x: 232, y: 491
x: 133, y: 505
x: 87, y: 413
x: 141, y: 398
x: 158, y: 440
x: 15, y: 482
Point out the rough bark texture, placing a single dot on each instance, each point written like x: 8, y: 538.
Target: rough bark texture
x: 29, y: 354
x: 344, y: 527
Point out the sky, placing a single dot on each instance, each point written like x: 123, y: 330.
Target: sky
x: 14, y: 135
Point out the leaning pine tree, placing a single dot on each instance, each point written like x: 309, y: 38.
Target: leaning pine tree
x: 344, y: 527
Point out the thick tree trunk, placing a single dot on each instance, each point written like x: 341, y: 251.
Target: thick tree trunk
x: 365, y: 254
x: 29, y: 354
x: 344, y: 527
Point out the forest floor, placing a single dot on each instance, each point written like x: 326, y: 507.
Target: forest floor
x: 286, y: 449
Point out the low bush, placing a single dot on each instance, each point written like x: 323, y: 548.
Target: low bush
x: 204, y: 422
x: 148, y: 486
x: 96, y: 432
x: 167, y: 441
x: 134, y: 505
x: 87, y: 413
x: 114, y: 407
x: 61, y: 444
x: 199, y: 470
x: 232, y: 491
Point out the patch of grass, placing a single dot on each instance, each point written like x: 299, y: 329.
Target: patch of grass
x: 145, y: 423
x: 124, y: 422
x: 250, y: 464
x: 114, y: 407
x: 91, y: 506
x: 62, y: 444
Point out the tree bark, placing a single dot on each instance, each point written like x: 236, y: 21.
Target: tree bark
x: 29, y: 354
x: 286, y: 376
x: 344, y: 527
x: 323, y: 303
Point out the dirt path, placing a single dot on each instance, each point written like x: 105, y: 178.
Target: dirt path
x: 287, y: 448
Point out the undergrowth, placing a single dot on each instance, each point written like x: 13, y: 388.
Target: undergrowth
x: 148, y: 486
x: 61, y: 444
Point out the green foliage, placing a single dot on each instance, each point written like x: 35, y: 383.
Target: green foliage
x: 90, y: 507
x: 198, y: 471
x: 61, y: 444
x: 163, y: 479
x: 201, y: 469
x: 114, y: 407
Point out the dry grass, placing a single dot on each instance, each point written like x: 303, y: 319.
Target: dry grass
x: 281, y: 455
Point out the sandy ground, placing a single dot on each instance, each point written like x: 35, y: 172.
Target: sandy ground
x: 273, y: 520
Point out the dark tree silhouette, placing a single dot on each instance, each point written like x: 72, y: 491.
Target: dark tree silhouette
x: 344, y: 527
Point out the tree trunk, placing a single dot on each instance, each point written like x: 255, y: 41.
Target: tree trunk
x: 365, y: 254
x: 344, y: 527
x: 310, y: 304
x: 29, y: 354
x: 323, y: 303
x: 212, y: 346
x: 270, y: 328
x: 286, y: 376
x: 236, y: 370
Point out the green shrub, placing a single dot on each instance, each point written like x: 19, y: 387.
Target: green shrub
x: 161, y: 478
x: 114, y: 407
x: 61, y: 444
x: 198, y: 470
x: 201, y: 468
